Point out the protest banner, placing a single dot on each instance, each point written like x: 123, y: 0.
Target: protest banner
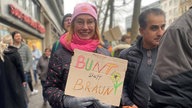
x: 113, y: 34
x: 96, y: 75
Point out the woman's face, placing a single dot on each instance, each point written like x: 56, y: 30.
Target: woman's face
x: 67, y: 23
x: 47, y: 52
x: 84, y: 26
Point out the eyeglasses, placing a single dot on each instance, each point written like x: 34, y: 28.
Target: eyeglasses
x: 89, y: 23
x: 149, y: 57
x: 67, y: 20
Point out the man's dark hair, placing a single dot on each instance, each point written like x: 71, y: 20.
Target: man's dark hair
x: 65, y: 16
x: 13, y: 33
x: 143, y: 16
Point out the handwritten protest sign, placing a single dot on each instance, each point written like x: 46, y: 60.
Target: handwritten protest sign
x: 96, y: 75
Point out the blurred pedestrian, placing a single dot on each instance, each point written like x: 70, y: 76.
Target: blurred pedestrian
x: 124, y: 43
x: 172, y: 78
x: 42, y: 68
x: 12, y: 80
x: 141, y: 59
x: 66, y: 23
x: 26, y: 57
x: 83, y: 35
x: 106, y: 44
x: 36, y: 54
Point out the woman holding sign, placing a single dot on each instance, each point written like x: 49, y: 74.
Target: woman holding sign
x: 83, y: 35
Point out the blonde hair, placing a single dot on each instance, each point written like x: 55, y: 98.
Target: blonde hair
x: 4, y: 43
x: 71, y: 32
x: 7, y: 39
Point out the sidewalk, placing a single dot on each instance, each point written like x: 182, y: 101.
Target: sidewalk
x: 36, y: 101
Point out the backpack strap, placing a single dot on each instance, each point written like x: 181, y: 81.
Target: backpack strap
x: 57, y: 44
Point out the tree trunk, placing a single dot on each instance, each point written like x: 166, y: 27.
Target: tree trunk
x: 111, y: 13
x: 135, y: 26
x: 105, y: 18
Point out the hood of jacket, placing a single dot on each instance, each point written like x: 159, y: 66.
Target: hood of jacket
x: 10, y: 50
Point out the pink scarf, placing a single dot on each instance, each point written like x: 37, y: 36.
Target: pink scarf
x: 89, y: 45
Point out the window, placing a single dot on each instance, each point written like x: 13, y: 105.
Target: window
x: 175, y: 11
x: 29, y: 6
x: 170, y: 3
x: 176, y: 2
x: 37, y: 13
x: 4, y: 30
x: 20, y: 3
x: 16, y: 1
x: 33, y: 9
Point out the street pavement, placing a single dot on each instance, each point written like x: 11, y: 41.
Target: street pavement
x: 36, y: 101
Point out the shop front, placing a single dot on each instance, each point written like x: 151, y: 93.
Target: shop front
x: 27, y: 37
x: 15, y: 18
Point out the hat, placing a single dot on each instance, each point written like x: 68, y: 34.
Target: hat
x: 84, y: 8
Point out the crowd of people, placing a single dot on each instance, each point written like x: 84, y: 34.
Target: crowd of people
x: 159, y: 68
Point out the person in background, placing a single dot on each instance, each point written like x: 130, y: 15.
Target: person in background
x: 12, y: 80
x: 42, y: 68
x: 142, y: 57
x: 36, y: 54
x: 26, y: 57
x: 172, y: 78
x: 66, y: 22
x: 83, y: 35
x: 106, y: 44
x: 125, y: 42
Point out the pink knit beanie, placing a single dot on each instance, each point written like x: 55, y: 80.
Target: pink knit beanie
x: 84, y: 8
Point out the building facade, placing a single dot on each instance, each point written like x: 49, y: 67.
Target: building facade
x: 38, y: 21
x: 184, y: 5
x: 171, y: 8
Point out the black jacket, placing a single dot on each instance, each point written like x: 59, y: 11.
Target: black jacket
x: 11, y: 92
x: 134, y: 57
x: 172, y: 79
x: 138, y: 75
x: 15, y: 58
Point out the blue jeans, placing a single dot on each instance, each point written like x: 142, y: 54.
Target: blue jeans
x: 35, y: 75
